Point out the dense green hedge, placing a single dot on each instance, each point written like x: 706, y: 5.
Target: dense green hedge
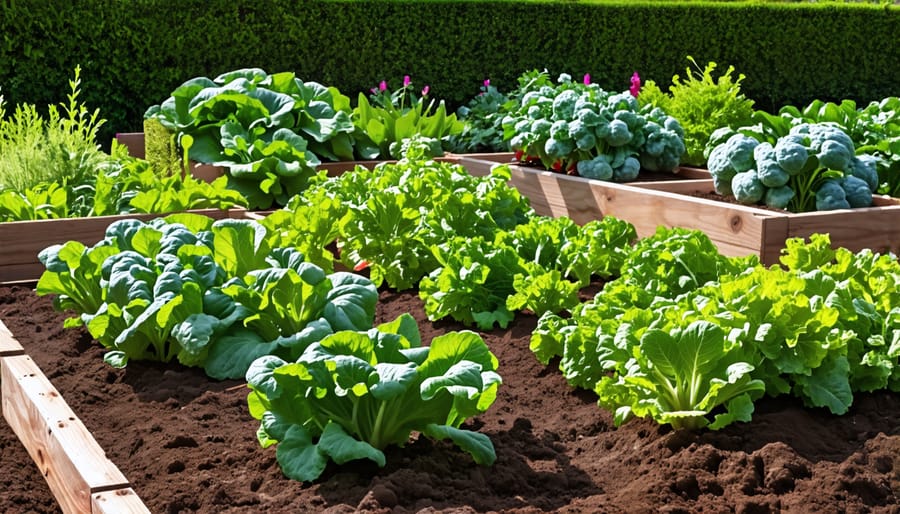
x: 134, y: 52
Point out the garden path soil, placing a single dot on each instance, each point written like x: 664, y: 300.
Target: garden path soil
x: 188, y: 444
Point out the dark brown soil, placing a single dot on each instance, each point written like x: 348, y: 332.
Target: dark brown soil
x: 188, y: 444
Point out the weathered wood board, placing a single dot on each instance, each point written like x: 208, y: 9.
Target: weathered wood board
x: 736, y: 229
x: 68, y: 457
x: 22, y: 241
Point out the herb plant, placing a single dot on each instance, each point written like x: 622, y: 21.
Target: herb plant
x: 61, y: 148
x: 701, y: 103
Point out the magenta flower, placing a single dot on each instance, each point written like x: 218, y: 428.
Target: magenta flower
x: 587, y: 78
x: 635, y: 84
x: 406, y: 80
x: 425, y: 90
x: 487, y: 82
x: 382, y: 86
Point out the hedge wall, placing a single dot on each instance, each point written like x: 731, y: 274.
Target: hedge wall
x: 134, y: 52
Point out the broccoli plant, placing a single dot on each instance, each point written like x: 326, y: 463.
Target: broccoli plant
x: 812, y: 167
x: 581, y: 129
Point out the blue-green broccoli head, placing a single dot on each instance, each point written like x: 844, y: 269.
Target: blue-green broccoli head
x: 764, y: 152
x: 619, y: 135
x: 740, y: 152
x: 564, y: 104
x: 596, y: 168
x: 779, y: 197
x: 771, y: 174
x: 719, y: 164
x: 857, y: 191
x: 628, y: 171
x: 831, y: 196
x: 723, y: 185
x: 559, y: 148
x: 834, y: 155
x: 747, y: 188
x: 791, y: 155
x: 865, y: 167
x: 559, y: 129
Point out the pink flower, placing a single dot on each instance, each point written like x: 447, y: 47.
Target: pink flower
x: 635, y: 84
x: 587, y: 78
x: 382, y: 86
x: 425, y: 90
x: 487, y: 82
x: 374, y: 90
x: 406, y: 80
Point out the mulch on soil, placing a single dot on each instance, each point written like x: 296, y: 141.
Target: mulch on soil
x: 188, y: 444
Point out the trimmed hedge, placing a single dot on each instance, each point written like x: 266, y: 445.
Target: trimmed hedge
x: 135, y: 52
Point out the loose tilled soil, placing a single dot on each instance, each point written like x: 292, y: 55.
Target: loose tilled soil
x: 188, y: 444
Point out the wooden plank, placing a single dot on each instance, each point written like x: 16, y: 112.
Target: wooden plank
x: 119, y: 501
x: 775, y: 233
x: 21, y: 241
x: 583, y: 200
x: 877, y: 228
x: 134, y: 142
x: 683, y: 186
x: 66, y: 454
x: 8, y: 344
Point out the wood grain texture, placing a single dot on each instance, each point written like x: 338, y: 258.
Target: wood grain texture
x: 119, y: 501
x: 736, y: 229
x: 22, y: 241
x: 8, y: 344
x: 71, y: 461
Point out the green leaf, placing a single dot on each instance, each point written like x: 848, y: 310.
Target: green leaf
x: 342, y: 448
x: 479, y: 446
x: 298, y: 457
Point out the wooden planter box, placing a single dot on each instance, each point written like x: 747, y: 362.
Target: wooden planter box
x: 80, y: 476
x: 736, y: 229
x: 21, y: 241
x: 134, y: 141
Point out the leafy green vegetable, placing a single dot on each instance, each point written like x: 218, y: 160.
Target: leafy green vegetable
x: 681, y: 377
x: 269, y: 131
x: 356, y: 392
x: 701, y: 103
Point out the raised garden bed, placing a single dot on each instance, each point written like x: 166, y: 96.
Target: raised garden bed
x: 736, y: 229
x: 135, y: 143
x: 23, y: 240
x: 187, y: 444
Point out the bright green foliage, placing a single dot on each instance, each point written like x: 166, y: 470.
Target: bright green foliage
x: 701, y: 104
x: 689, y: 372
x: 209, y: 294
x: 270, y: 131
x: 389, y: 219
x: 384, y: 124
x: 354, y: 393
x: 538, y: 266
x: 472, y: 283
x: 60, y: 148
x: 821, y: 327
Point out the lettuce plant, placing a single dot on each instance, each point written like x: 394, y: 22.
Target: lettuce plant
x: 211, y: 294
x: 270, y: 131
x: 354, y: 393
